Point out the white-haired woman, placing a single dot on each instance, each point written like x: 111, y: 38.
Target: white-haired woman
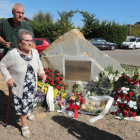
x: 20, y: 66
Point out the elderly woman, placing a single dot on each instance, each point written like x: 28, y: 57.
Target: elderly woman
x: 20, y: 66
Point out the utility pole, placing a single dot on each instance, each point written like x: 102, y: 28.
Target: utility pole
x: 130, y: 25
x: 66, y: 5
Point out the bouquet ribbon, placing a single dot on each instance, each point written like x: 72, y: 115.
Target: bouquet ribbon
x: 75, y: 107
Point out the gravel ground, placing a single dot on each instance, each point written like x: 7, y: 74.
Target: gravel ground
x: 57, y: 126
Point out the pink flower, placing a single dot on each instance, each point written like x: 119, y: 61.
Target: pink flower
x: 46, y: 80
x: 62, y: 78
x: 65, y: 87
x: 48, y: 71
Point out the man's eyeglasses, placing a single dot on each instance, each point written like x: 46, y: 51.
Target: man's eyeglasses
x: 29, y: 41
x: 20, y: 13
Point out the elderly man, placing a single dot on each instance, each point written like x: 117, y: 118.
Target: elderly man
x: 10, y: 27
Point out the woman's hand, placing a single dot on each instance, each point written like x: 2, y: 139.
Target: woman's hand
x: 10, y: 82
x: 44, y: 76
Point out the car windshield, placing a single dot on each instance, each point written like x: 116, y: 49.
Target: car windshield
x: 131, y: 40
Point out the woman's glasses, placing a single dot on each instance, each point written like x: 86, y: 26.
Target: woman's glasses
x: 29, y: 41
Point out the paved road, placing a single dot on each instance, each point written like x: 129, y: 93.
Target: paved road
x: 125, y: 56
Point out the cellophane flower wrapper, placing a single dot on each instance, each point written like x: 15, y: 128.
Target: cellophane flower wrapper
x: 92, y: 106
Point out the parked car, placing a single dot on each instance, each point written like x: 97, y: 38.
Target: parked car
x: 1, y: 53
x: 41, y: 44
x: 103, y: 44
x: 132, y: 43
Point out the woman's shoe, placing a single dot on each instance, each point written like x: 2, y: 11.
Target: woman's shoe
x: 25, y: 133
x: 30, y: 117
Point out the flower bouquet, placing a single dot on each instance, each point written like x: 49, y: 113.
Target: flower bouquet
x: 127, y: 97
x: 54, y: 79
x: 75, y: 101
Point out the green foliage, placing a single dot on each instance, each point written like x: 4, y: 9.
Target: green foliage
x: 88, y: 23
x: 65, y: 22
x: 1, y: 19
x: 40, y: 16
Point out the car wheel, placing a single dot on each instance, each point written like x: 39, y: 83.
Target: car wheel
x: 112, y: 48
x: 134, y: 47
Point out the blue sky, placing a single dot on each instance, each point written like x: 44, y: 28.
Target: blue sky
x: 122, y: 11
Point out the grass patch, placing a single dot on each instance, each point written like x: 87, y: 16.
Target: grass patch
x: 130, y: 67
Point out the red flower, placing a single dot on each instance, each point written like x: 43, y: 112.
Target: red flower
x: 59, y: 82
x: 124, y: 76
x: 127, y: 109
x: 133, y: 114
x: 115, y: 98
x: 58, y: 78
x: 114, y: 112
x: 119, y: 111
x: 51, y: 69
x: 57, y: 87
x: 52, y: 74
x: 52, y: 80
x: 37, y: 73
x: 46, y: 74
x: 46, y: 80
x: 119, y: 88
x: 52, y: 83
x: 48, y: 77
x: 116, y: 93
x: 129, y: 80
x: 41, y: 77
x: 135, y: 82
x: 122, y: 95
x: 127, y: 98
x: 121, y: 78
x: 122, y: 105
x: 60, y: 88
x: 62, y: 78
x: 63, y: 84
x: 58, y: 74
x: 82, y: 100
x: 45, y: 68
x: 139, y: 80
x: 131, y: 93
x: 48, y: 71
x: 65, y: 87
x: 126, y: 113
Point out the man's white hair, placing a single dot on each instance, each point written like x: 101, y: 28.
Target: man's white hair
x: 17, y: 4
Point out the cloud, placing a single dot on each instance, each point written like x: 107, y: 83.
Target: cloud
x: 5, y: 9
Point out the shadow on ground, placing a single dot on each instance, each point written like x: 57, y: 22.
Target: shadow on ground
x: 12, y: 117
x: 83, y: 131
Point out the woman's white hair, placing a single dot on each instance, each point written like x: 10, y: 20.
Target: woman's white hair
x: 22, y: 32
x: 17, y: 4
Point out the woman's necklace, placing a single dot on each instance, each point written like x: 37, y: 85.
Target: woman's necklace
x: 25, y: 53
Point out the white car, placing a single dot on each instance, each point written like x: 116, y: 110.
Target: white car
x: 131, y: 43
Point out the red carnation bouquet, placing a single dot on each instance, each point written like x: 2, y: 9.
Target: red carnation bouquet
x: 127, y: 97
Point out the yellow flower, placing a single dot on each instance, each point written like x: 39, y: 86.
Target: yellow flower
x: 83, y: 106
x: 56, y: 90
x: 86, y: 103
x: 94, y: 103
x: 91, y: 108
x: 63, y: 95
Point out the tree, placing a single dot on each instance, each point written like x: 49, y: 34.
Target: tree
x: 88, y: 23
x: 65, y: 21
x: 40, y: 16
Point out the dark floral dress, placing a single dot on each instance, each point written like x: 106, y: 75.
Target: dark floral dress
x: 29, y: 100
